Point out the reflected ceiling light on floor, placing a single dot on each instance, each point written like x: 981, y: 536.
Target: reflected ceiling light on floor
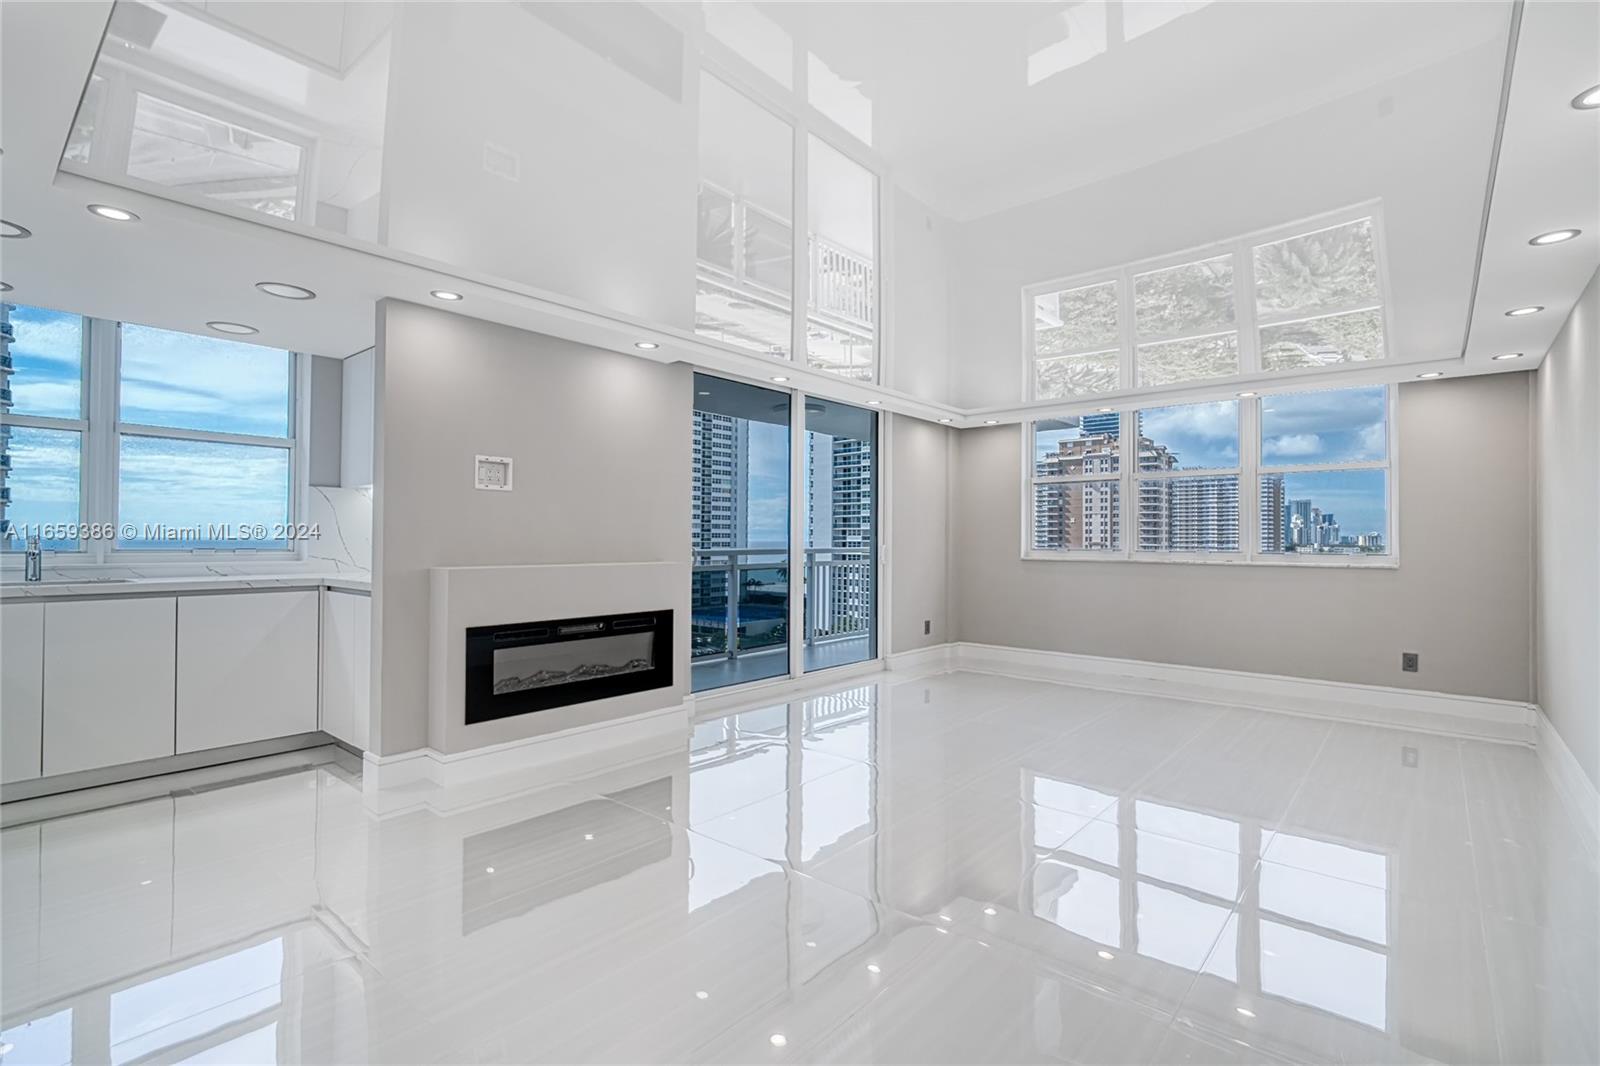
x: 1556, y: 236
x: 1518, y: 312
x: 646, y: 346
x: 1246, y: 1011
x: 1508, y: 355
x: 112, y: 214
x: 702, y: 995
x: 11, y: 229
x: 284, y: 291
x: 237, y: 329
x: 488, y: 869
x: 811, y: 943
x: 777, y: 1040
x: 1105, y: 955
x: 1587, y: 100
x: 1431, y: 374
x: 446, y: 295
x: 990, y: 911
x: 873, y: 967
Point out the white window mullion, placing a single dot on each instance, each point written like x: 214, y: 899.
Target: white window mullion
x: 100, y: 451
x: 1249, y: 477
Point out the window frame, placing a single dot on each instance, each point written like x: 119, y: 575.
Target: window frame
x: 79, y: 425
x: 1247, y: 325
x: 99, y: 460
x: 1249, y: 473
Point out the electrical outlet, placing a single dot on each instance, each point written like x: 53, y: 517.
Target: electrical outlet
x: 1409, y: 661
x: 927, y: 627
x: 1408, y: 757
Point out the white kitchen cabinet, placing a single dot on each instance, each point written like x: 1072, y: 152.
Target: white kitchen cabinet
x: 108, y: 681
x: 247, y: 667
x: 358, y: 399
x: 346, y: 665
x: 21, y: 690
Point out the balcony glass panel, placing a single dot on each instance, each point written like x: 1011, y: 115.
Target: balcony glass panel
x: 840, y: 472
x: 842, y: 310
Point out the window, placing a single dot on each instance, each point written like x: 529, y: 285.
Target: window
x: 204, y: 441
x: 1300, y: 297
x: 1320, y: 461
x: 1324, y: 481
x: 198, y: 445
x: 41, y: 440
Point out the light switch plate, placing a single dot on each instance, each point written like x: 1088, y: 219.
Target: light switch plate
x: 493, y: 472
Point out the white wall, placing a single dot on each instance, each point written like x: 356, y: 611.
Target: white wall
x: 1567, y: 578
x: 918, y: 288
x: 604, y: 207
x: 1460, y: 597
x: 601, y: 450
x: 1254, y: 181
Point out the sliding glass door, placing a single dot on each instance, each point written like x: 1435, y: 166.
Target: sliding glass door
x: 748, y: 538
x: 840, y: 457
x: 740, y: 594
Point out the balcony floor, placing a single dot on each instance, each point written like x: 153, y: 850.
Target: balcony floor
x: 760, y: 665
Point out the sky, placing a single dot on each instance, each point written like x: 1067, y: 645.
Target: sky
x: 169, y: 380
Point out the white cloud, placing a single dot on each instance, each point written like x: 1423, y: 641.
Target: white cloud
x: 1294, y: 445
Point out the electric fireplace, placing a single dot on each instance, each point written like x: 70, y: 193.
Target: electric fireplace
x: 534, y: 666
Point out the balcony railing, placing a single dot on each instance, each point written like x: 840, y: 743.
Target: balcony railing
x: 740, y: 599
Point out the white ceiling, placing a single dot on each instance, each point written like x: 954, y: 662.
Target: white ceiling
x: 953, y: 118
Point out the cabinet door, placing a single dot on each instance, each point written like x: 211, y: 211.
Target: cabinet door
x: 21, y: 690
x: 108, y: 684
x: 247, y: 667
x: 346, y: 665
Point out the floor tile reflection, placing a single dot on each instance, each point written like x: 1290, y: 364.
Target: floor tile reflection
x: 961, y: 867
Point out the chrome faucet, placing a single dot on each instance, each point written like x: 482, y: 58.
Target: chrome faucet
x: 33, y: 562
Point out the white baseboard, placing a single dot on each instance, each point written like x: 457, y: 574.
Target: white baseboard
x: 922, y: 660
x: 1433, y: 712
x: 1570, y: 780
x: 425, y: 768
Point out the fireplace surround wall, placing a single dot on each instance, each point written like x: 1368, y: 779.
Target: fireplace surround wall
x: 463, y: 598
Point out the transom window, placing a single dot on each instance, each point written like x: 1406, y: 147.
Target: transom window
x: 190, y: 448
x: 1319, y: 462
x: 1300, y: 297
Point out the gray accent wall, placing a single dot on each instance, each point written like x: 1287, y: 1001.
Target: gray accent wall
x: 1567, y: 578
x: 918, y: 512
x: 326, y: 429
x: 1461, y: 596
x: 601, y: 447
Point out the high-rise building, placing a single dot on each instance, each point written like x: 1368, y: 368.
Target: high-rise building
x: 720, y: 516
x: 839, y: 515
x: 1274, y: 516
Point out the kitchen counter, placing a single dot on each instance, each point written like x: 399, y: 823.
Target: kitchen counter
x: 52, y: 588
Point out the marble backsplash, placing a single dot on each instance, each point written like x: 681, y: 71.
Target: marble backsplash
x: 344, y: 518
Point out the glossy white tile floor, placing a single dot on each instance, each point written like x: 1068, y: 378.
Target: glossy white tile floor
x: 962, y: 868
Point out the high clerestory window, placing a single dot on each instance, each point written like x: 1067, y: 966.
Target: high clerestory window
x: 1300, y: 297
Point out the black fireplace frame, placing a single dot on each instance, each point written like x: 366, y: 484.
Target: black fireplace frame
x: 483, y: 705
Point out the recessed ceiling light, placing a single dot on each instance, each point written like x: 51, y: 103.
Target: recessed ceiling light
x: 1105, y: 955
x: 991, y: 421
x: 284, y: 291
x: 873, y: 967
x: 777, y: 1040
x: 811, y: 943
x: 990, y: 911
x: 779, y: 378
x: 1555, y: 236
x: 702, y: 995
x: 1587, y: 100
x: 238, y: 329
x: 1106, y: 410
x: 874, y: 403
x: 488, y: 869
x: 1246, y: 1011
x: 446, y: 295
x: 647, y: 346
x: 112, y: 214
x: 1518, y: 312
x: 1246, y: 395
x: 1508, y: 355
x: 11, y: 229
x: 946, y: 421
x: 1431, y: 374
